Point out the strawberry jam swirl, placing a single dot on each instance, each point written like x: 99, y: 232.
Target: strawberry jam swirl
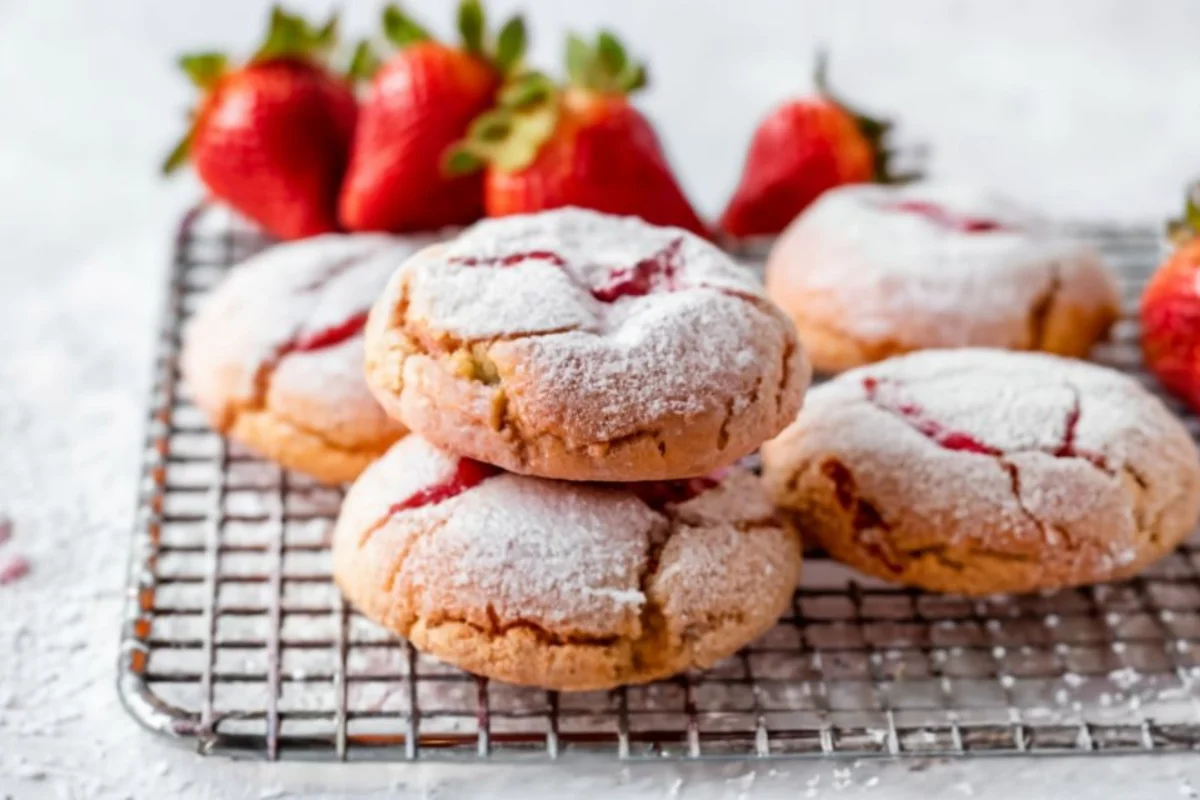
x: 944, y: 218
x: 919, y: 420
x: 656, y: 273
x: 469, y: 473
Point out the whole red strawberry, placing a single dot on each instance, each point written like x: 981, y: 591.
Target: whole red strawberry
x: 419, y: 104
x: 583, y: 146
x: 803, y: 148
x: 271, y: 137
x: 1170, y: 311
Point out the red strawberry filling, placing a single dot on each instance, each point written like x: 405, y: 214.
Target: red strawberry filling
x: 509, y: 260
x: 467, y: 475
x: 950, y: 439
x: 654, y: 272
x: 948, y: 219
x: 659, y: 494
x: 932, y: 429
x: 328, y: 336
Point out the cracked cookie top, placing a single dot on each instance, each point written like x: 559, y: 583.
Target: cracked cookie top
x: 937, y: 264
x: 427, y: 537
x: 284, y: 332
x: 1065, y: 467
x: 587, y: 329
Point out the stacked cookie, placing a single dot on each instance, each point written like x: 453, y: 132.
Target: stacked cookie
x: 567, y: 512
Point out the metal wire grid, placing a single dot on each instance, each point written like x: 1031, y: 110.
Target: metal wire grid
x: 236, y: 640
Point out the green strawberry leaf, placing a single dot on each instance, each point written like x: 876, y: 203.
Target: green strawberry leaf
x: 603, y: 67
x: 285, y: 36
x: 325, y: 38
x: 204, y: 69
x: 491, y: 126
x: 471, y: 26
x: 633, y: 78
x: 579, y: 60
x: 610, y: 54
x: 510, y: 45
x: 291, y: 36
x: 460, y: 160
x: 1188, y: 226
x: 364, y: 63
x: 526, y: 90
x: 179, y: 154
x: 400, y: 29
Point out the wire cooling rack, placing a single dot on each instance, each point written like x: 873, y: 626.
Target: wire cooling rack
x: 236, y: 641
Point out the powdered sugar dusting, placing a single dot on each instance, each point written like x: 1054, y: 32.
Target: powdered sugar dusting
x: 455, y: 290
x: 277, y: 298
x: 896, y: 266
x: 569, y: 558
x: 598, y: 360
x: 1069, y: 461
x: 566, y: 558
x: 1017, y: 402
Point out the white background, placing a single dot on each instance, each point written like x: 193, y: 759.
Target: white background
x: 1086, y: 109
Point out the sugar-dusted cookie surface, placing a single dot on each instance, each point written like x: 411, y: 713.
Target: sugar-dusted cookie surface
x: 583, y: 346
x: 869, y: 272
x: 562, y: 585
x: 275, y: 355
x: 982, y: 471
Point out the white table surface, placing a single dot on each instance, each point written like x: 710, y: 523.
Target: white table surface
x: 1084, y: 108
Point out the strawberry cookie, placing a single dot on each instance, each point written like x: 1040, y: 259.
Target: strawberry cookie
x: 981, y: 471
x: 871, y: 271
x: 565, y: 586
x: 582, y: 346
x: 274, y: 357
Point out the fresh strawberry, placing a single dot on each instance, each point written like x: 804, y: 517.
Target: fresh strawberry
x: 586, y: 146
x: 271, y: 137
x: 419, y: 104
x: 800, y: 150
x: 1170, y: 310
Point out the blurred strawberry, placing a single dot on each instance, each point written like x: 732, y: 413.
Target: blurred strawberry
x: 1170, y: 310
x: 271, y: 137
x: 545, y: 147
x: 419, y: 104
x: 800, y: 150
